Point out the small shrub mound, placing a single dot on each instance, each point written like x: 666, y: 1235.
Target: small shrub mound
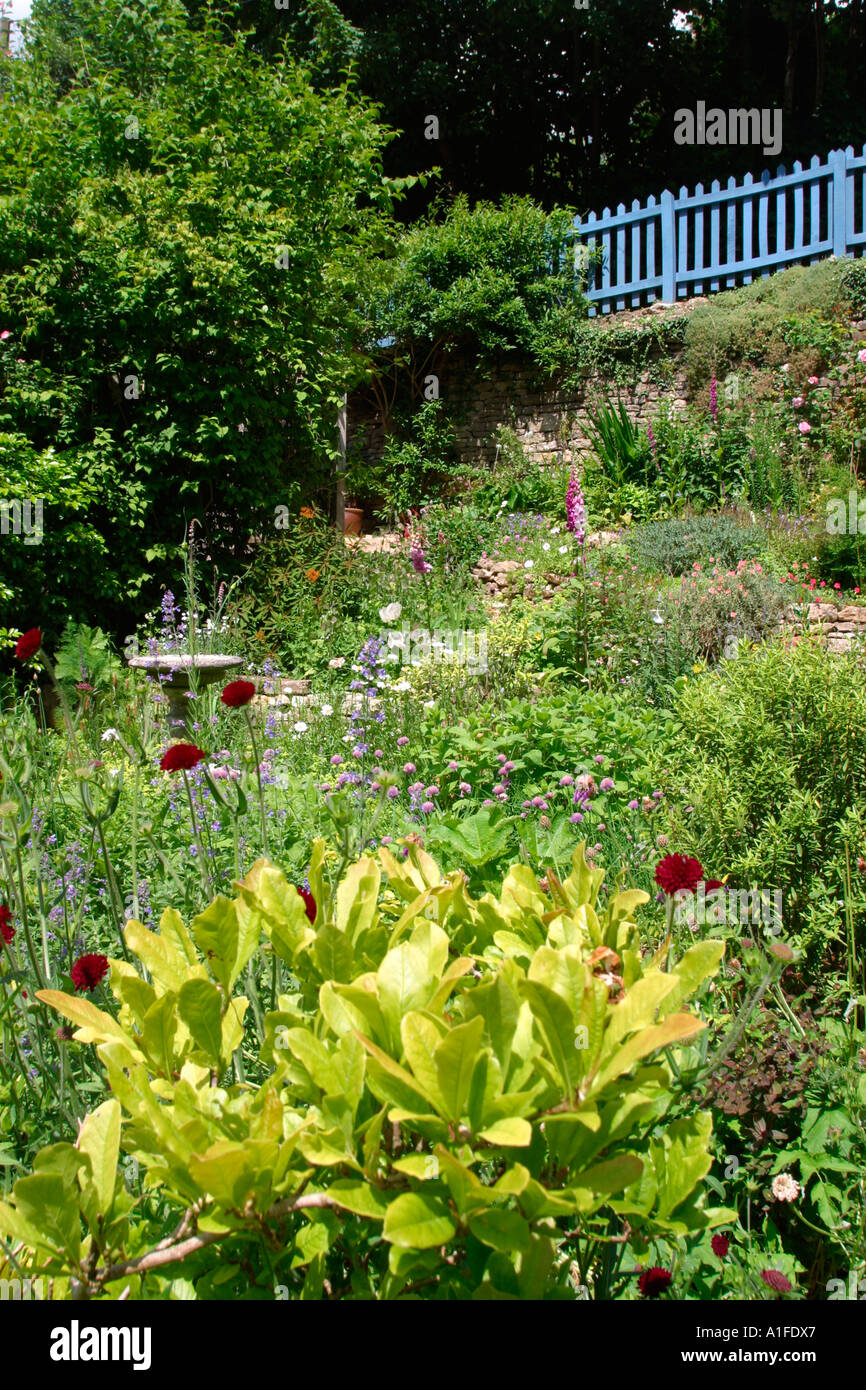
x: 672, y: 547
x: 772, y: 778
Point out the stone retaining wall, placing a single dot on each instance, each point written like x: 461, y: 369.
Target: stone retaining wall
x: 547, y: 419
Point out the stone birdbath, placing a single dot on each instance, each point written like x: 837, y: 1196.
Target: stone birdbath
x: 209, y: 668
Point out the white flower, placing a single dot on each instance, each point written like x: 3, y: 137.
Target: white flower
x: 300, y: 727
x: 555, y: 530
x: 401, y: 687
x: 563, y: 550
x: 429, y: 704
x: 327, y: 709
x: 336, y: 662
x: 546, y: 546
x: 528, y: 564
x: 391, y: 612
x: 785, y: 1188
x: 109, y: 735
x: 503, y: 504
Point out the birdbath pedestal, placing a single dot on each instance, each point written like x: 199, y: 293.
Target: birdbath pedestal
x: 177, y: 667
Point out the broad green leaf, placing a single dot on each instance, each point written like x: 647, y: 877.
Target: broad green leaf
x: 94, y: 1026
x: 357, y: 898
x: 172, y: 929
x: 509, y: 1133
x: 158, y: 1031
x: 417, y: 1222
x: 360, y: 1197
x: 332, y: 951
x: 167, y: 966
x: 455, y: 1059
x: 45, y: 1201
x: 501, y: 1230
x: 499, y: 1006
x: 674, y: 1029
x: 421, y: 1038
x: 99, y: 1138
x: 556, y: 1023
x: 200, y: 1006
x: 697, y: 964
x: 405, y: 983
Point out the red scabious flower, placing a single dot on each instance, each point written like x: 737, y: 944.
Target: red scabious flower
x: 775, y: 1280
x: 712, y: 884
x: 653, y: 1282
x: 238, y: 693
x: 7, y: 931
x: 720, y: 1245
x: 88, y: 971
x: 677, y: 871
x: 309, y: 903
x: 28, y: 644
x: 180, y: 757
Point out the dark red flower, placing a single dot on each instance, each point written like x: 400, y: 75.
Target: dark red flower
x: 712, y: 884
x: 28, y: 644
x: 775, y: 1280
x: 309, y: 903
x: 180, y: 757
x: 653, y: 1282
x: 238, y: 693
x: 677, y: 871
x: 88, y: 971
x: 720, y: 1245
x: 7, y: 931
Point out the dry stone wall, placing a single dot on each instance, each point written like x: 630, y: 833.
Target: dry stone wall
x: 548, y: 419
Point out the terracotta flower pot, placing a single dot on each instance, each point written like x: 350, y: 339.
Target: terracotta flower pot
x: 353, y: 520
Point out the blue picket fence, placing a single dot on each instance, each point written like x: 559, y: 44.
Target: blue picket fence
x: 700, y: 243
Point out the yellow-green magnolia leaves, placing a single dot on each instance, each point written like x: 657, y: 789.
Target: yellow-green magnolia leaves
x: 99, y: 1138
x: 200, y: 1006
x: 509, y: 1133
x: 417, y: 1222
x: 94, y: 1025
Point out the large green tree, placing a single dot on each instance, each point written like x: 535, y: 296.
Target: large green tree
x: 183, y: 234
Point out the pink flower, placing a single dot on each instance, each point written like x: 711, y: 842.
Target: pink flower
x: 4, y: 335
x: 797, y: 402
x: 813, y: 381
x: 804, y: 427
x: 861, y: 355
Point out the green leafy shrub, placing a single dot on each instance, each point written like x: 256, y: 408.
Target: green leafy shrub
x: 455, y: 1107
x: 772, y: 759
x: 182, y: 234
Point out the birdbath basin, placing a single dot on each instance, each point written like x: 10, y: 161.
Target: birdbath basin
x: 176, y: 668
